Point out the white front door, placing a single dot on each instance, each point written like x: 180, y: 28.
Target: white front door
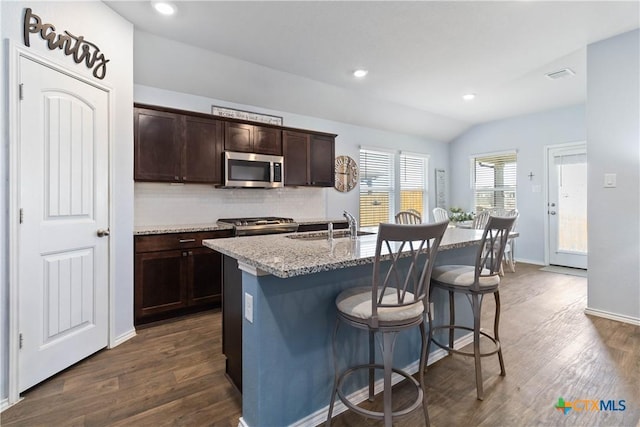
x: 567, y: 206
x: 63, y: 265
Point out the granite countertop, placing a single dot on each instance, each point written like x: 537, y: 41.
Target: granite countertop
x: 183, y: 228
x: 284, y: 256
x: 142, y: 230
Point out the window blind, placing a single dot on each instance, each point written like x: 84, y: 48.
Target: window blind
x: 495, y: 181
x: 413, y: 183
x: 376, y: 186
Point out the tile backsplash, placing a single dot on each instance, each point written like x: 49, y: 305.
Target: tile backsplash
x: 174, y: 204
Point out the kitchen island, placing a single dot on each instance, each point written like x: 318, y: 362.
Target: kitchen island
x: 289, y: 285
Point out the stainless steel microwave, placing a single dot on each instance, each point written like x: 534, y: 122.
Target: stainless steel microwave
x: 253, y: 170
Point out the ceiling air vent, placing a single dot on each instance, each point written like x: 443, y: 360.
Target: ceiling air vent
x: 565, y: 72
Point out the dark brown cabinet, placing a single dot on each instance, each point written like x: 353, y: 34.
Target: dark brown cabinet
x: 175, y: 147
x: 249, y: 138
x: 202, y: 149
x: 175, y: 274
x: 157, y: 145
x: 308, y: 159
x: 322, y: 161
x: 232, y: 321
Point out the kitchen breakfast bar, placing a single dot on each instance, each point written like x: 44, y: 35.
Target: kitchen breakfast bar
x: 289, y: 286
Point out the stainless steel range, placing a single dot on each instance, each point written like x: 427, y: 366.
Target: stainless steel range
x: 260, y: 225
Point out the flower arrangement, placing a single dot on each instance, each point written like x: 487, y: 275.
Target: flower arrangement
x: 457, y: 215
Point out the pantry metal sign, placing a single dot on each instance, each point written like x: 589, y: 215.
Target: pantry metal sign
x: 77, y: 47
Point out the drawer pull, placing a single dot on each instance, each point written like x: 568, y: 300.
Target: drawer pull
x: 187, y: 240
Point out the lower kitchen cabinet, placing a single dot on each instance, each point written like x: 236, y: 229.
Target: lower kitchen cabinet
x: 176, y: 275
x: 232, y: 321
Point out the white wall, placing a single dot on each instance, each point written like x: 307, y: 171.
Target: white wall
x: 527, y: 134
x: 349, y: 139
x: 114, y: 36
x: 613, y: 131
x: 172, y: 65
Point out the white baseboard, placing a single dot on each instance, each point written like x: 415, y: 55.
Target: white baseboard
x: 124, y: 337
x: 612, y: 316
x: 529, y: 261
x: 4, y: 404
x: 242, y: 423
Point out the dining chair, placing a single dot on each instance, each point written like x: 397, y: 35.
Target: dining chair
x: 509, y: 257
x: 408, y: 217
x: 480, y: 220
x: 474, y: 281
x: 395, y: 301
x: 440, y: 214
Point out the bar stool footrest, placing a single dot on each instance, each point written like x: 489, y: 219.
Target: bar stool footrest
x: 375, y: 414
x: 466, y: 353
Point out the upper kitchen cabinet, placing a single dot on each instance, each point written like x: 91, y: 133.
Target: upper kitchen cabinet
x: 157, y: 145
x: 171, y: 146
x: 308, y: 158
x: 202, y: 148
x: 249, y: 138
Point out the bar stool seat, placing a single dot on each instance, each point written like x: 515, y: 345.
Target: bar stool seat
x: 394, y: 302
x: 463, y: 276
x: 356, y: 304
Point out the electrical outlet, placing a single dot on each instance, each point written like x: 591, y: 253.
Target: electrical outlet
x: 248, y: 307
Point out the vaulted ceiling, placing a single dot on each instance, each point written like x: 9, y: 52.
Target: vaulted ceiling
x: 421, y: 56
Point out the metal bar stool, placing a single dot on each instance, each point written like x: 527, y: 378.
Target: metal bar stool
x: 475, y: 281
x: 395, y: 301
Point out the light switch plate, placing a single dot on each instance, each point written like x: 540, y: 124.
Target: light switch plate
x: 609, y: 180
x: 248, y: 307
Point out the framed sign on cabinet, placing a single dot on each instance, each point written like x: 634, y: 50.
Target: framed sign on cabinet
x: 246, y: 115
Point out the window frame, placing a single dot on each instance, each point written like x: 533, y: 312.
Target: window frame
x: 395, y: 189
x: 425, y: 181
x: 504, y: 188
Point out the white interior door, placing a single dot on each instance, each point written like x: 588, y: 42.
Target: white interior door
x: 62, y: 263
x: 567, y: 206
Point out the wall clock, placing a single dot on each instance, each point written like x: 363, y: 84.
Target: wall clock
x: 346, y: 173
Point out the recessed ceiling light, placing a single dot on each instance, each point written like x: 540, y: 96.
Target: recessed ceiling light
x: 468, y: 96
x: 164, y: 7
x: 360, y: 73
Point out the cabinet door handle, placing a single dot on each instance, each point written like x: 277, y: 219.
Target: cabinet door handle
x: 184, y: 254
x: 187, y: 240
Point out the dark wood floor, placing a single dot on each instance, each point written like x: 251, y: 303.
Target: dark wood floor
x: 172, y: 374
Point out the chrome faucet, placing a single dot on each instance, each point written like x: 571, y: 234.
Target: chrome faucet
x: 353, y: 224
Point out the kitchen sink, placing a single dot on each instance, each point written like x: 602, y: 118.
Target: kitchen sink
x: 323, y: 235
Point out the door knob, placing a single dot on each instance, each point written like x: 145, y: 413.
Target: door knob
x: 103, y: 232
